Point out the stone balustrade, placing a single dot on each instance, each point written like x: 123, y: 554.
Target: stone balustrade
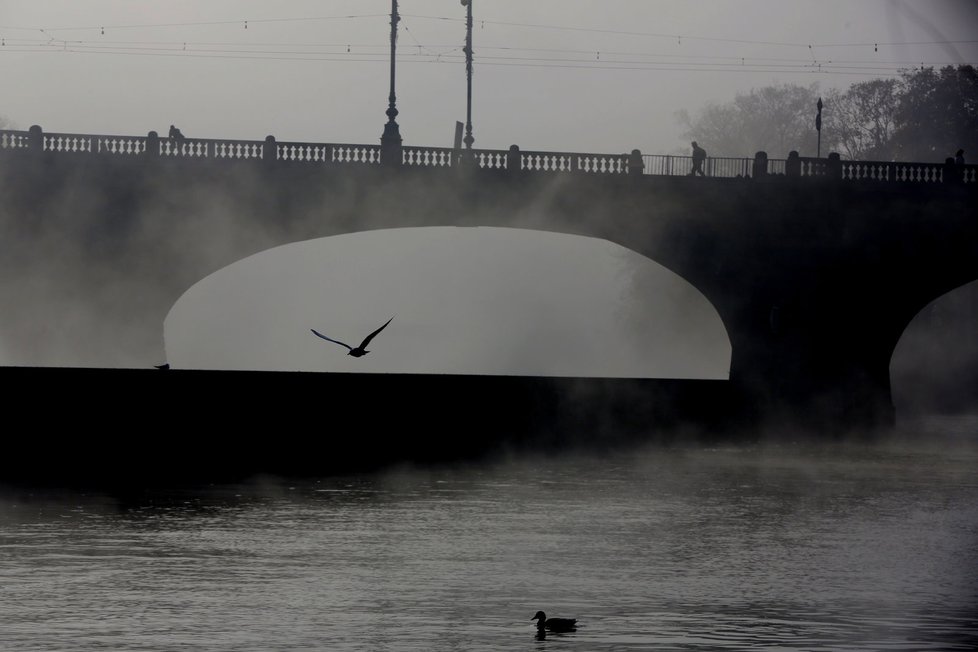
x: 514, y: 159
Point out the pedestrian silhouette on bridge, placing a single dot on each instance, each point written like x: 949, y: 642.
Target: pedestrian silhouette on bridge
x: 959, y: 157
x: 175, y: 133
x: 699, y: 155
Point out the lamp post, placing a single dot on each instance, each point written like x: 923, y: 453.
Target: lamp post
x: 469, y: 138
x: 818, y: 127
x: 390, y: 142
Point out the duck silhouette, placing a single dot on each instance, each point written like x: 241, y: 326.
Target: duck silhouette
x: 554, y: 624
x: 359, y: 351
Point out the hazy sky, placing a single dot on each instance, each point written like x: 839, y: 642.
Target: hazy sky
x: 463, y: 301
x: 560, y: 75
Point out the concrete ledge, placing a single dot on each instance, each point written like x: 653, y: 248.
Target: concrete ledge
x: 136, y: 428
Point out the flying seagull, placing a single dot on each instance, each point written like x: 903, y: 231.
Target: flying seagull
x: 360, y: 350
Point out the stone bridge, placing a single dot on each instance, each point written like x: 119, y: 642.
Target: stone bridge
x: 816, y: 266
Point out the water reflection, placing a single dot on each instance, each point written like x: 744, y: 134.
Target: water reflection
x: 690, y: 549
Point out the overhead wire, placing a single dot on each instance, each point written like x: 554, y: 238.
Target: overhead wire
x: 421, y: 53
x: 521, y: 62
x: 539, y: 26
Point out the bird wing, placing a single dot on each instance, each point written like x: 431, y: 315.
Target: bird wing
x: 367, y: 339
x: 317, y: 333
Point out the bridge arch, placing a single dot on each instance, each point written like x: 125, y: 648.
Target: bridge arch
x: 465, y: 300
x: 934, y: 366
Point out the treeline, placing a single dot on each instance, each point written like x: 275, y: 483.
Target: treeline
x: 925, y: 114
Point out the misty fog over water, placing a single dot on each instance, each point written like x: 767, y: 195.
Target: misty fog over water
x: 789, y: 547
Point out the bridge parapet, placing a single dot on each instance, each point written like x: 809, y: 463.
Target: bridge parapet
x: 323, y: 153
x: 898, y: 171
x: 14, y: 140
x: 210, y: 148
x: 514, y: 159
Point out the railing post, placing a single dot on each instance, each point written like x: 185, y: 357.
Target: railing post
x: 951, y: 174
x: 833, y: 167
x: 152, y: 145
x: 792, y: 166
x: 269, y: 150
x: 636, y: 165
x: 760, y: 165
x: 513, y: 158
x: 35, y: 139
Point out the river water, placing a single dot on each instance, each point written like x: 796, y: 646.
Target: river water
x: 781, y: 546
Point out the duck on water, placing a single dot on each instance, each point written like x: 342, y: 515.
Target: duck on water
x: 554, y: 624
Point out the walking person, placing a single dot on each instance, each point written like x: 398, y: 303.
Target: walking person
x: 699, y: 155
